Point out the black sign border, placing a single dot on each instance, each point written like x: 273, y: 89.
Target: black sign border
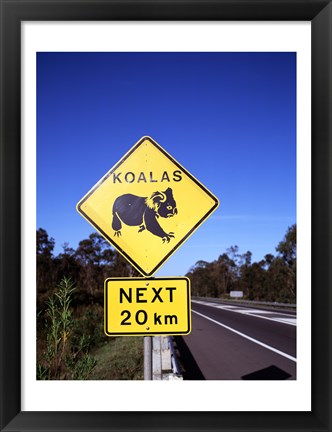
x: 112, y: 170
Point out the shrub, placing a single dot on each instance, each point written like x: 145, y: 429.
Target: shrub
x: 65, y: 356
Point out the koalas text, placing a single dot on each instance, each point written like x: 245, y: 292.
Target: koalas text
x: 146, y: 177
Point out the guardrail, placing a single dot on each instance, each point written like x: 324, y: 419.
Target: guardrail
x: 174, y: 358
x: 248, y: 302
x: 165, y: 365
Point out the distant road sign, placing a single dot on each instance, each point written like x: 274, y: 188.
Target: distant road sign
x: 147, y: 205
x: 137, y: 306
x: 236, y: 294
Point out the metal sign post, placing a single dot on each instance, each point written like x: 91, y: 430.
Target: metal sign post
x: 147, y: 358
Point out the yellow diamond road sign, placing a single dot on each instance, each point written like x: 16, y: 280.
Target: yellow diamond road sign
x: 147, y: 205
x: 137, y: 306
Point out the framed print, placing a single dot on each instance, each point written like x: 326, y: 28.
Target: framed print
x: 87, y: 51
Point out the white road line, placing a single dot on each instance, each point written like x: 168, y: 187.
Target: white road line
x: 253, y: 312
x: 288, y: 321
x: 263, y: 312
x: 201, y: 302
x: 223, y: 306
x: 291, y: 321
x: 232, y: 308
x: 247, y: 337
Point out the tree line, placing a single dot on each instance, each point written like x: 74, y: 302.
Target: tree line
x: 88, y: 266
x: 270, y: 279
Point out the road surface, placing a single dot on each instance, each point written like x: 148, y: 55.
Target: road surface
x: 230, y: 342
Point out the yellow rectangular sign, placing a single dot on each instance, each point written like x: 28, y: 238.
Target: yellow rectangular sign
x: 137, y: 306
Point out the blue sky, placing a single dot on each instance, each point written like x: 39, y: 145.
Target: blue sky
x: 228, y: 118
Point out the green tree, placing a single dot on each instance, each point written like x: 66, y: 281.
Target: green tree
x: 287, y: 247
x: 285, y: 266
x: 198, y: 278
x: 227, y: 272
x: 253, y: 281
x: 122, y: 268
x: 67, y: 264
x: 96, y: 259
x: 45, y: 247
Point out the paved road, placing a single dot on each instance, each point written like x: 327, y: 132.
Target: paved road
x: 238, y: 343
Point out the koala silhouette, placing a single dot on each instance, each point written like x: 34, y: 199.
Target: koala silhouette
x: 140, y: 211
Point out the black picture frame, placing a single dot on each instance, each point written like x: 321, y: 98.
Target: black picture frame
x: 13, y: 12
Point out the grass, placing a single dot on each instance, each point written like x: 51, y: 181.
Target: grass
x: 64, y: 356
x: 121, y: 358
x: 71, y: 343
